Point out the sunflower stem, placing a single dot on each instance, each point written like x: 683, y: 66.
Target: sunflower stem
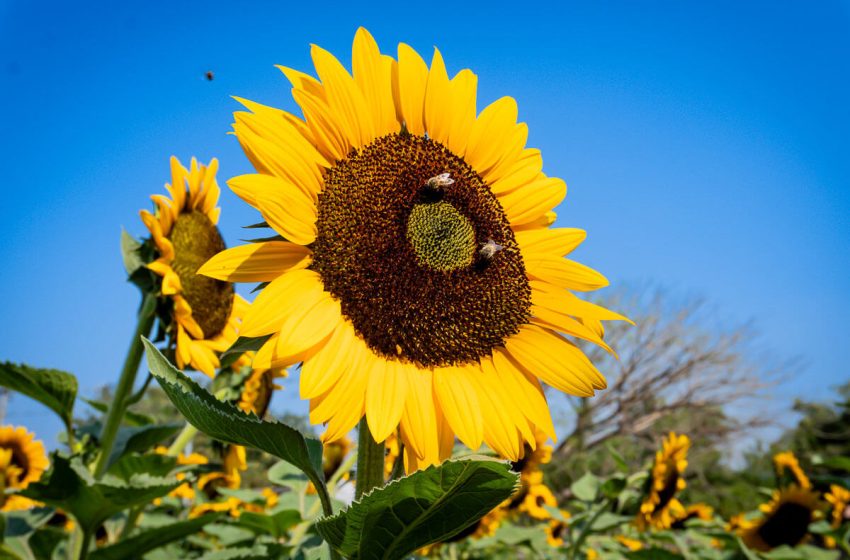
x: 370, y: 461
x: 125, y: 383
x: 81, y: 545
x: 183, y: 438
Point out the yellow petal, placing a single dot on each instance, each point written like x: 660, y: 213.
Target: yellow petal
x: 462, y: 110
x: 438, y: 107
x: 386, y: 394
x: 256, y: 262
x: 302, y: 81
x: 523, y: 170
x: 309, y: 323
x: 557, y: 299
x: 275, y: 301
x: 459, y: 402
x: 344, y: 98
x: 286, y: 209
x: 328, y: 137
x: 505, y: 400
x: 555, y: 360
x: 373, y: 75
x: 549, y: 241
x: 412, y: 80
x: 500, y: 433
x: 491, y: 134
x: 512, y: 152
x: 566, y: 324
x: 533, y: 200
x: 329, y: 363
x: 564, y: 273
x: 525, y: 390
x: 177, y: 189
x: 419, y: 421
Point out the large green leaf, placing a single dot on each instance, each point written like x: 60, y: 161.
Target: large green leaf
x: 140, y: 439
x: 138, y: 545
x: 226, y: 423
x: 51, y: 387
x: 70, y: 486
x: 426, y: 507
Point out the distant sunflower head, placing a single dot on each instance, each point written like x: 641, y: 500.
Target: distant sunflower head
x: 537, y: 498
x: 415, y: 274
x: 22, y: 457
x: 838, y: 498
x: 788, y: 470
x: 334, y: 454
x: 703, y: 512
x: 257, y: 391
x: 661, y: 506
x: 533, y: 456
x: 205, y: 311
x: 557, y: 529
x: 783, y: 521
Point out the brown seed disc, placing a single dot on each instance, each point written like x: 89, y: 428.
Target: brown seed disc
x: 196, y: 240
x: 404, y: 259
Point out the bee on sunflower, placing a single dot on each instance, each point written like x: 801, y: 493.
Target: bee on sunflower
x: 22, y: 461
x: 661, y: 507
x: 201, y: 314
x: 783, y: 521
x: 416, y: 276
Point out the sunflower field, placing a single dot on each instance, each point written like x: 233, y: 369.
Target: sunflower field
x: 404, y: 261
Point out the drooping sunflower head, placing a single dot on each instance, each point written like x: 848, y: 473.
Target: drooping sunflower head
x: 783, y: 521
x: 788, y: 470
x: 334, y: 454
x: 22, y: 457
x: 205, y: 312
x: 533, y: 456
x: 660, y: 506
x: 416, y: 276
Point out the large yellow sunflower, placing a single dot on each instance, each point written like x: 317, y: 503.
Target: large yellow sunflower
x: 784, y: 520
x: 661, y: 507
x: 206, y: 312
x: 416, y: 275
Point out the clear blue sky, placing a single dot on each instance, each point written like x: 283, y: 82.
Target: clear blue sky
x: 705, y: 146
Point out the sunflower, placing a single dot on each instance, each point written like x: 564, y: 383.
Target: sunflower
x: 839, y: 501
x: 556, y: 530
x: 784, y: 520
x: 185, y: 490
x: 631, y: 544
x: 661, y: 507
x: 415, y: 274
x: 391, y: 446
x: 703, y: 512
x: 206, y: 312
x: 787, y: 465
x: 538, y: 496
x: 22, y: 461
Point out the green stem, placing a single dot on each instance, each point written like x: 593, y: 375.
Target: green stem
x: 125, y: 383
x: 183, y: 438
x: 585, y: 530
x: 370, y: 461
x: 82, y: 545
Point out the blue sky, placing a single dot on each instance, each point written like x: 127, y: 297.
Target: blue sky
x: 704, y: 145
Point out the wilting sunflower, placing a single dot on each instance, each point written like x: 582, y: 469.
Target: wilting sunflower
x: 660, y: 506
x: 419, y: 281
x: 206, y: 311
x: 838, y: 498
x: 784, y: 520
x: 788, y: 467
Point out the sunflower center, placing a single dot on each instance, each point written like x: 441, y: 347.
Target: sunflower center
x: 196, y: 240
x: 400, y: 224
x: 441, y: 237
x: 671, y: 485
x: 788, y: 525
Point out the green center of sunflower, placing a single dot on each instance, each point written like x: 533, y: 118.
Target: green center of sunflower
x: 400, y: 224
x: 441, y: 237
x: 196, y: 240
x: 787, y: 525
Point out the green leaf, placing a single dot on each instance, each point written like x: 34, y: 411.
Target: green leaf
x: 585, y: 488
x: 138, y: 545
x: 654, y: 553
x: 612, y: 487
x: 130, y: 253
x: 130, y: 418
x: 24, y: 522
x: 227, y: 423
x: 608, y: 520
x: 53, y: 388
x: 276, y: 524
x: 153, y: 464
x: 837, y: 463
x: 139, y: 439
x: 804, y: 552
x: 265, y: 551
x: 70, y: 486
x: 426, y: 507
x: 245, y: 344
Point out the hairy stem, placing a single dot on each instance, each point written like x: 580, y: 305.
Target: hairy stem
x: 370, y: 461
